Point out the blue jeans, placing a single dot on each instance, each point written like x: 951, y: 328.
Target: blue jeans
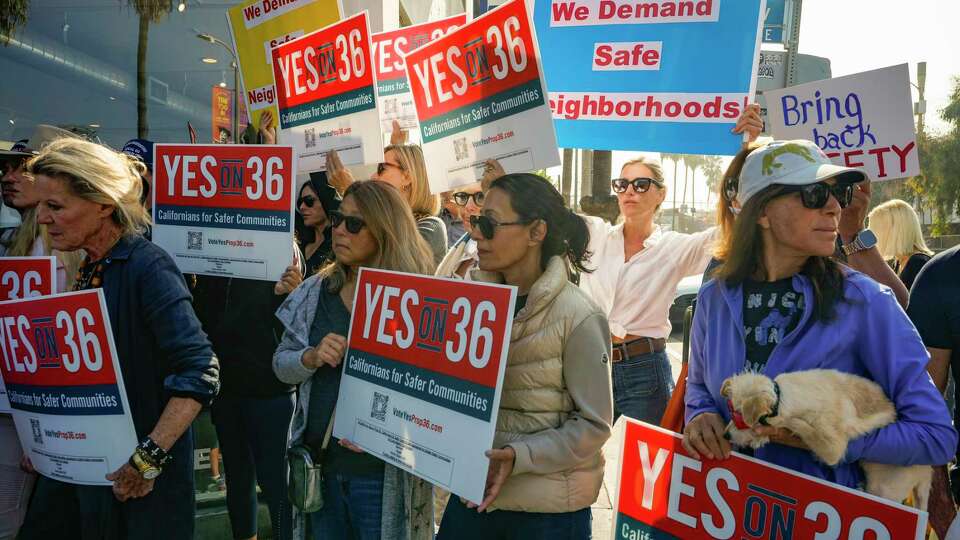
x: 253, y: 436
x: 462, y: 523
x: 642, y: 386
x: 351, y: 508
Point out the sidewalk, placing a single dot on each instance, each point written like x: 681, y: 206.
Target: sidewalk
x: 603, y: 509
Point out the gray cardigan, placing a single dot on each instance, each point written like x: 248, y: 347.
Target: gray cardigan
x: 407, y: 500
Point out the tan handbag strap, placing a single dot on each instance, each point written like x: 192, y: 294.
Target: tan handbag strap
x: 329, y: 433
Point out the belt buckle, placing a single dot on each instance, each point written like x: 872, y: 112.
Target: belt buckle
x: 622, y: 349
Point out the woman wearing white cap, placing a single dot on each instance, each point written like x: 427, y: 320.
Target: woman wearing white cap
x: 780, y: 303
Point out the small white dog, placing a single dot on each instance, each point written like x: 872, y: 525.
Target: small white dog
x: 825, y: 408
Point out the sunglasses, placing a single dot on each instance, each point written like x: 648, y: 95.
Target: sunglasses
x: 382, y: 167
x: 488, y: 226
x: 640, y: 185
x: 353, y: 223
x: 462, y: 197
x: 308, y: 200
x: 815, y: 196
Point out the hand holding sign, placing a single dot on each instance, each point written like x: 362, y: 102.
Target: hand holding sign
x: 338, y: 176
x: 129, y: 484
x: 501, y: 466
x: 329, y: 351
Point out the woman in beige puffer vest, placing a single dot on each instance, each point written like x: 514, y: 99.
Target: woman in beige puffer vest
x: 556, y: 408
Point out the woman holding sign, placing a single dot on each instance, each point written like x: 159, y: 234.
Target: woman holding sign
x: 779, y: 303
x: 403, y: 168
x: 363, y: 497
x: 556, y: 408
x: 90, y: 200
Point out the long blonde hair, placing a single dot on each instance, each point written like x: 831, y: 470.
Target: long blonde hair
x: 898, y: 230
x: 26, y: 237
x: 421, y: 201
x: 388, y: 218
x: 100, y: 175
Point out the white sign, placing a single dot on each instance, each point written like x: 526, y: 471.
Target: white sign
x: 479, y: 95
x: 65, y: 386
x: 863, y: 120
x: 423, y: 374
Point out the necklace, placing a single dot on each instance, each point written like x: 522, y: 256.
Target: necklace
x: 89, y: 276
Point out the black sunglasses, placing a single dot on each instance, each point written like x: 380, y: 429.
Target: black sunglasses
x: 382, y: 167
x: 462, y: 197
x: 640, y: 185
x: 815, y: 196
x: 354, y: 224
x: 488, y: 226
x: 308, y: 200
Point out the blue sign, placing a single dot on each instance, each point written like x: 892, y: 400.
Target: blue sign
x: 662, y: 76
x: 775, y: 21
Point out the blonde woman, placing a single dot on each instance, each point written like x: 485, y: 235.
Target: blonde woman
x: 900, y: 238
x: 637, y: 267
x: 89, y: 199
x: 363, y: 496
x: 403, y: 167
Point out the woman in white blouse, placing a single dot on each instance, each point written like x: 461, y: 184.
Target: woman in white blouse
x: 637, y: 268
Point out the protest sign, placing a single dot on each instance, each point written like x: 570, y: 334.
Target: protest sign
x: 327, y: 93
x: 863, y: 120
x: 664, y: 493
x: 65, y: 387
x: 479, y: 95
x: 25, y: 277
x: 393, y: 88
x: 668, y: 76
x: 225, y: 210
x: 256, y: 26
x: 221, y: 115
x: 423, y: 373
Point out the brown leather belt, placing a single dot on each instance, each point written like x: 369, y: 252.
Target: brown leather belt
x: 637, y: 347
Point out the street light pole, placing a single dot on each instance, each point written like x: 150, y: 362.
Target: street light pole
x: 236, y: 81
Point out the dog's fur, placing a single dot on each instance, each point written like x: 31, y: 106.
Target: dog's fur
x: 826, y: 408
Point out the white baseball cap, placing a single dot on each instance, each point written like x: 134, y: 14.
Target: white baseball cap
x: 789, y: 163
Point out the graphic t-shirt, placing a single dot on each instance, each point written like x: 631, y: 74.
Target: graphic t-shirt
x: 771, y: 310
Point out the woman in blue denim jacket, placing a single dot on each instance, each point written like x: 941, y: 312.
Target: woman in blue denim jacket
x: 91, y: 201
x: 780, y: 304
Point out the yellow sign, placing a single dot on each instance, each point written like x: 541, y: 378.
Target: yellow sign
x: 259, y: 25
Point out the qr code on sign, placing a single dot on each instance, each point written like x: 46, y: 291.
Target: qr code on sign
x: 195, y: 240
x: 391, y: 107
x: 37, y: 434
x: 378, y: 411
x: 460, y: 149
x: 310, y: 137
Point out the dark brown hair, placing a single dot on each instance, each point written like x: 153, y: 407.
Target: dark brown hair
x: 742, y: 254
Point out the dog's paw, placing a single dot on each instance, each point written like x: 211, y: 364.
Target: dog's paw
x: 758, y: 442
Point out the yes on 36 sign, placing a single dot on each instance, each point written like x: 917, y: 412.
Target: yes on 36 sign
x: 479, y: 95
x: 225, y: 210
x: 327, y: 93
x: 665, y: 494
x: 25, y: 277
x: 423, y: 373
x: 393, y: 88
x: 64, y: 383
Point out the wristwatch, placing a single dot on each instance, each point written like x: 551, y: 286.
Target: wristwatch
x: 142, y: 463
x: 864, y: 239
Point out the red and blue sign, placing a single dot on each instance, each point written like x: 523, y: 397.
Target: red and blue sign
x: 666, y: 494
x: 438, y: 340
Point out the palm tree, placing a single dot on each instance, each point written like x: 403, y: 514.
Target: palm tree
x: 566, y: 177
x: 713, y: 171
x: 675, y: 158
x: 13, y: 15
x: 149, y: 11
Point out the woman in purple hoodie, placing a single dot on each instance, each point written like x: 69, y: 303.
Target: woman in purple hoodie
x: 779, y: 304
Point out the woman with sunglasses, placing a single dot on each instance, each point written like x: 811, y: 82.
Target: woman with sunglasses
x: 315, y: 202
x: 403, y: 167
x: 363, y: 496
x: 462, y: 255
x: 638, y: 266
x: 556, y: 409
x: 779, y: 303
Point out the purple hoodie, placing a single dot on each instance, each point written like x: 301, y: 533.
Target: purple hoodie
x: 869, y: 336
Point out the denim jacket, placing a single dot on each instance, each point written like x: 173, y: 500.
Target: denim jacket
x: 162, y: 353
x: 869, y: 335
